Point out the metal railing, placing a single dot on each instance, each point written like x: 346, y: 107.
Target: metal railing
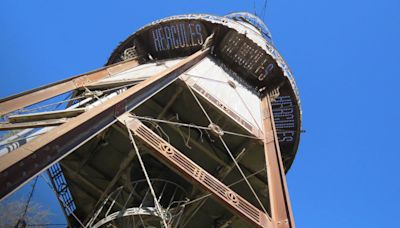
x: 134, y: 205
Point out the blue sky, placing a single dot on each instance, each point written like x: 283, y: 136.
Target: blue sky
x: 344, y: 55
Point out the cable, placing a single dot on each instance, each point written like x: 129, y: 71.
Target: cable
x: 198, y: 102
x: 147, y: 177
x: 48, y: 105
x: 69, y: 95
x: 248, y: 109
x: 254, y: 7
x: 230, y: 185
x: 172, y: 122
x: 229, y: 152
x: 22, y: 219
x: 121, y: 87
x: 245, y: 105
x: 211, y: 79
x: 160, y: 131
x: 94, y: 94
x: 73, y: 99
x: 242, y: 173
x: 209, y: 194
x: 193, y: 126
x: 264, y: 10
x: 237, y: 92
x: 62, y: 201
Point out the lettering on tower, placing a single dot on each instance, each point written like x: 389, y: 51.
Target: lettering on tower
x: 283, y: 111
x: 177, y: 36
x: 247, y: 55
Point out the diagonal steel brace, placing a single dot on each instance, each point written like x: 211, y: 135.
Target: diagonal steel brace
x: 21, y: 165
x: 183, y: 165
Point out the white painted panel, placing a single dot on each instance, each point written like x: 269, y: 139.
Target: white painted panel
x: 142, y: 71
x: 214, y: 79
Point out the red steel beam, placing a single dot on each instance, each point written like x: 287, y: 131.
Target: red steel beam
x: 183, y: 165
x: 281, y: 211
x: 15, y: 102
x: 19, y: 166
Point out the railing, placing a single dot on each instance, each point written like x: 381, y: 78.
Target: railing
x: 126, y: 203
x: 61, y: 188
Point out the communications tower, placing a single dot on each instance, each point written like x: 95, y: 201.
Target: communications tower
x: 193, y: 122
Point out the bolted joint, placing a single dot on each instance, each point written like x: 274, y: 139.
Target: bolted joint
x: 283, y: 223
x: 215, y: 129
x: 96, y: 93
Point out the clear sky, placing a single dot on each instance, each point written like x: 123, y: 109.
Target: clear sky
x: 344, y: 55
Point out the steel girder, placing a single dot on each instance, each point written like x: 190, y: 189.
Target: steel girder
x: 21, y: 165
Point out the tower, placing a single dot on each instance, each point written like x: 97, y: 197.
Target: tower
x: 193, y: 122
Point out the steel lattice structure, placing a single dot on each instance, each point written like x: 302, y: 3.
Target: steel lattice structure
x: 193, y: 122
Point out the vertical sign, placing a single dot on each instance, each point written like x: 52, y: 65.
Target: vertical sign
x: 283, y: 111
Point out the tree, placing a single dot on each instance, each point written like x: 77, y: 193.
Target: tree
x: 12, y: 211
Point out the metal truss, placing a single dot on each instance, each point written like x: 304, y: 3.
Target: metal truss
x: 177, y: 160
x: 27, y: 98
x: 24, y: 163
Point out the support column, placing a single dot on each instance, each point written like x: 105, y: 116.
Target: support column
x: 12, y: 103
x: 19, y: 166
x: 281, y: 212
